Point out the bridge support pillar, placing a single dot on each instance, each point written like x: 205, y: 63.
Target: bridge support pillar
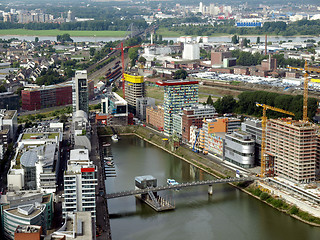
x: 210, y: 190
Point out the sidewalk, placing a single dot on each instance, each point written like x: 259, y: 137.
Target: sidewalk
x: 102, y: 214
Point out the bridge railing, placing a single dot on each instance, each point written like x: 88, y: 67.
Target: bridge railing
x: 179, y: 186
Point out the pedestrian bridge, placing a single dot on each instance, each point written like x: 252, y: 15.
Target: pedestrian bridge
x: 179, y: 186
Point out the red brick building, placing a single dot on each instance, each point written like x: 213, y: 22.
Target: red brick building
x: 48, y: 96
x: 155, y: 117
x: 194, y: 115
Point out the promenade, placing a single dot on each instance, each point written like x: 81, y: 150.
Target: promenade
x: 102, y: 214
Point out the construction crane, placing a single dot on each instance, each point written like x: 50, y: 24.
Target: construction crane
x: 263, y: 137
x: 307, y: 70
x: 122, y: 60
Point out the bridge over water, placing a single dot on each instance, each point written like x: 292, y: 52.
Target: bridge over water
x: 179, y: 186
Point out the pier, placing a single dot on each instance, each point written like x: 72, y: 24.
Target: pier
x: 150, y: 197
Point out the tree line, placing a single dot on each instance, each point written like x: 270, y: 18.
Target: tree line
x: 302, y: 27
x: 249, y: 59
x: 99, y: 25
x: 247, y: 104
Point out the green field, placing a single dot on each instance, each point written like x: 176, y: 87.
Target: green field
x: 55, y: 32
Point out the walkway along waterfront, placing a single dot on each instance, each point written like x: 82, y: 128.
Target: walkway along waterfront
x: 102, y: 214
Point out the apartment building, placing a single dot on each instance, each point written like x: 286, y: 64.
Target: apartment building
x: 80, y: 180
x: 293, y: 146
x: 177, y: 95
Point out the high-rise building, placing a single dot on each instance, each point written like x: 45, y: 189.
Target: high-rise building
x: 178, y: 94
x: 81, y: 95
x: 80, y: 182
x: 134, y: 88
x: 293, y: 146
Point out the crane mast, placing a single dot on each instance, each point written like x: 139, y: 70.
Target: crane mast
x: 263, y: 136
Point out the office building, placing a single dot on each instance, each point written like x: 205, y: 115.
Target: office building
x: 194, y: 115
x: 80, y: 92
x: 29, y: 214
x: 80, y: 180
x: 46, y: 96
x: 293, y: 146
x: 114, y: 110
x: 78, y: 226
x: 239, y: 149
x: 9, y: 101
x: 33, y: 166
x: 142, y: 104
x: 177, y: 95
x: 253, y: 127
x: 134, y: 88
x: 214, y: 140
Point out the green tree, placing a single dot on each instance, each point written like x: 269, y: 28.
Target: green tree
x: 226, y: 104
x: 180, y: 74
x: 209, y: 100
x: 92, y: 51
x: 2, y: 88
x: 142, y: 60
x: 133, y: 55
x: 235, y: 39
x: 258, y: 39
x: 63, y: 118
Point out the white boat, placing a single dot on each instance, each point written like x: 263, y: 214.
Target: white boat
x: 108, y: 158
x: 109, y: 163
x: 115, y: 138
x: 172, y: 182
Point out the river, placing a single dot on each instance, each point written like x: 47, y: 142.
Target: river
x: 227, y: 214
x: 223, y: 39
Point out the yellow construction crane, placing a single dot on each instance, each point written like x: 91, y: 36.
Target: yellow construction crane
x: 307, y: 69
x: 263, y: 137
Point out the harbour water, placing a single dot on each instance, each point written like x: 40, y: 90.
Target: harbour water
x: 227, y: 214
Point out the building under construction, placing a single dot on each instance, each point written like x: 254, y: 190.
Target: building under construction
x: 292, y: 147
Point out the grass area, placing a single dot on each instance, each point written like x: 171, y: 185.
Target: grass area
x: 155, y: 92
x: 28, y: 135
x: 167, y: 33
x: 55, y: 32
x: 282, y: 205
